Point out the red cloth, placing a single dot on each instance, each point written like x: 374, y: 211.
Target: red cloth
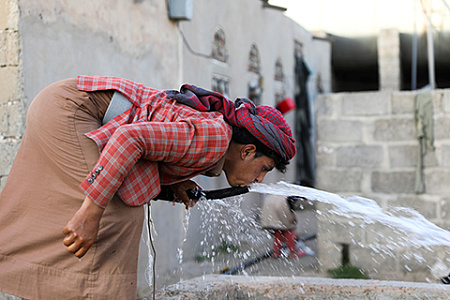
x: 265, y: 123
x: 157, y: 141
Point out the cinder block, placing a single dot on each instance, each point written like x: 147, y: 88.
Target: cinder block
x: 13, y: 48
x: 444, y: 160
x: 339, y: 130
x: 10, y: 49
x: 9, y: 15
x: 403, y: 102
x: 9, y: 84
x: 395, y: 130
x: 4, y: 11
x: 403, y: 155
x: 359, y: 156
x: 441, y: 126
x: 366, y: 104
x: 430, y: 159
x: 348, y: 181
x: 436, y: 181
x: 393, y: 182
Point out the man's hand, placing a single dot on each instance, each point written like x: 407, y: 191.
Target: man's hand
x: 179, y: 190
x: 81, y: 231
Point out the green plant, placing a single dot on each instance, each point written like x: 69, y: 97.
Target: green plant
x: 226, y: 247
x: 347, y: 271
x: 202, y: 258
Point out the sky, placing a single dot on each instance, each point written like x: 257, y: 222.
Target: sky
x: 364, y: 17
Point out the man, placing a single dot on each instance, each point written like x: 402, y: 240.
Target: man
x: 121, y: 141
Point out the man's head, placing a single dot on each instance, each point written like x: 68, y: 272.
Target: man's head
x: 248, y: 160
x: 243, y: 137
x: 262, y: 140
x: 267, y: 125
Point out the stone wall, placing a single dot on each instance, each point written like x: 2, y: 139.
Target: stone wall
x: 12, y: 107
x: 367, y: 146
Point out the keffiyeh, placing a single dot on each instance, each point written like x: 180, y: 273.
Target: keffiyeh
x: 265, y: 123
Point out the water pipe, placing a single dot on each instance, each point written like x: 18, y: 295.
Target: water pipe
x: 166, y: 193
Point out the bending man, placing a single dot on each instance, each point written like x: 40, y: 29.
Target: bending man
x: 96, y: 149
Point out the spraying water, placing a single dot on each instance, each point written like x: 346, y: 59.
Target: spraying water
x: 227, y: 223
x: 418, y: 230
x: 405, y: 232
x: 185, y: 229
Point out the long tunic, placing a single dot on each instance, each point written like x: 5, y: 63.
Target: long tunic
x: 43, y: 192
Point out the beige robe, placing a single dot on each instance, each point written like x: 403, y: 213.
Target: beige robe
x: 42, y: 194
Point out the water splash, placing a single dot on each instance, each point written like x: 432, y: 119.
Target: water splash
x: 417, y: 229
x: 185, y: 229
x: 234, y: 221
x: 232, y: 234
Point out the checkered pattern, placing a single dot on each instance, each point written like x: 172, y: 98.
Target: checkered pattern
x: 157, y: 141
x: 265, y: 123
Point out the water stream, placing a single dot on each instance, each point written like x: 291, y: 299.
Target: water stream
x: 417, y: 229
x: 395, y: 231
x: 232, y: 222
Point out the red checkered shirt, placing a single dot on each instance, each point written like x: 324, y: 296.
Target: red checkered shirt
x: 156, y: 142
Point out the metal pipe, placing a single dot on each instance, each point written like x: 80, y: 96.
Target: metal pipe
x: 166, y: 193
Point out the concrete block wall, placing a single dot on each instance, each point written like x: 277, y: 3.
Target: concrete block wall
x: 367, y: 146
x: 12, y: 108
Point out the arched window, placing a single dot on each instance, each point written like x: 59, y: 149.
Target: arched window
x: 219, y: 49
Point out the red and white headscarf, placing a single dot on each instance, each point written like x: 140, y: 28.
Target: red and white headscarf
x: 265, y: 123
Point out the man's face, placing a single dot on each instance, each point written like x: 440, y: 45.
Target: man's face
x: 248, y: 170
